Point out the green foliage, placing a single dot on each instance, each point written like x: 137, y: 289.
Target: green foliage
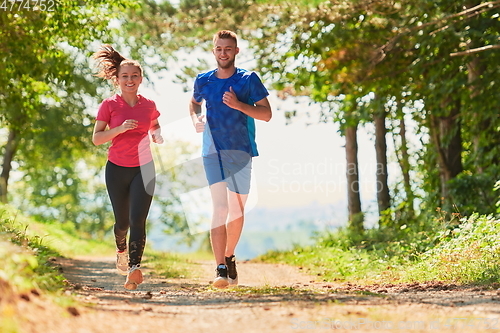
x: 67, y: 238
x: 473, y: 193
x: 73, y: 191
x: 339, y: 51
x: 48, y: 90
x: 466, y: 253
x: 470, y: 253
x: 404, y: 243
x: 497, y: 188
x: 159, y: 29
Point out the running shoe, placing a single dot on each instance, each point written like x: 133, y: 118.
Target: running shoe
x: 221, y: 280
x: 134, y: 278
x: 122, y: 262
x: 232, y: 274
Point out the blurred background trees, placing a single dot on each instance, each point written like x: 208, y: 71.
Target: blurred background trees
x: 431, y: 65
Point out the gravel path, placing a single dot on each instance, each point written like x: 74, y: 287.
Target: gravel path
x: 270, y: 298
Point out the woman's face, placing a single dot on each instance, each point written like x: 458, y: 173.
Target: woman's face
x: 129, y: 78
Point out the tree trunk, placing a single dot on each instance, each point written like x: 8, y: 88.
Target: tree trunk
x: 404, y: 162
x: 353, y: 196
x: 383, y: 196
x: 10, y: 152
x: 475, y: 69
x: 446, y: 135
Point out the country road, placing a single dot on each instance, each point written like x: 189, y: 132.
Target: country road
x: 270, y: 298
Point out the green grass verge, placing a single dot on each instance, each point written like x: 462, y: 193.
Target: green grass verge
x: 64, y: 239
x: 467, y: 254
x: 61, y: 237
x: 171, y: 265
x: 25, y: 269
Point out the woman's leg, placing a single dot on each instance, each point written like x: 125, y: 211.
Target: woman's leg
x: 140, y: 202
x: 118, y: 185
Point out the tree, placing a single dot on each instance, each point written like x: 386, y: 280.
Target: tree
x: 393, y: 50
x: 404, y: 53
x: 47, y: 82
x: 383, y: 196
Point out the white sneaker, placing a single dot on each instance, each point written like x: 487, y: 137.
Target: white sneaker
x: 122, y: 262
x: 134, y: 278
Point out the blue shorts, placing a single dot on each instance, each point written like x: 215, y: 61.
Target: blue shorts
x: 233, y: 167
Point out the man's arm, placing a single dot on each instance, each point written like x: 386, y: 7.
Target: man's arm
x: 260, y: 111
x: 196, y: 117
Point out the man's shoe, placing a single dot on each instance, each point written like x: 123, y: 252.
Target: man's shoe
x: 134, y: 278
x: 232, y: 274
x: 122, y: 262
x: 221, y: 280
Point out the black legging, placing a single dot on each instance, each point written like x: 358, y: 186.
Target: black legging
x: 131, y: 199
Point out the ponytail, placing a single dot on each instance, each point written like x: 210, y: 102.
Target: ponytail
x: 109, y: 62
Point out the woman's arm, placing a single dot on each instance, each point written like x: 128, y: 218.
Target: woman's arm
x: 102, y: 135
x: 155, y: 131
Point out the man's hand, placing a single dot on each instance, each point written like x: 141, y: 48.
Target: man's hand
x: 230, y: 99
x: 200, y: 125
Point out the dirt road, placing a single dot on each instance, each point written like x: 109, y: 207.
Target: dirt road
x: 271, y: 298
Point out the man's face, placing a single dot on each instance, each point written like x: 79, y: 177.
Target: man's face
x: 225, y: 51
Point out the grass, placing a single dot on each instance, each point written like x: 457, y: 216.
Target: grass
x: 69, y: 242
x: 168, y: 265
x: 25, y: 260
x: 469, y: 254
x: 466, y: 254
x: 27, y: 250
x: 25, y: 269
x: 64, y: 237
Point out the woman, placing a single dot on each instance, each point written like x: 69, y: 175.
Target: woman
x: 126, y: 119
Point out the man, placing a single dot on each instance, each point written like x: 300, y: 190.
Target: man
x: 234, y: 98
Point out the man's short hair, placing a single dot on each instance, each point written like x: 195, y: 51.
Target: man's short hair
x: 225, y: 34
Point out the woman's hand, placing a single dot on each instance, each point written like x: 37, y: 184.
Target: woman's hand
x: 129, y: 124
x: 157, y: 138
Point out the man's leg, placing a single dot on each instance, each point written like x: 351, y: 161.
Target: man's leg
x: 236, y: 204
x: 218, y: 235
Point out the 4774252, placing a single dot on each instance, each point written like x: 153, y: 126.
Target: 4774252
x: 27, y: 5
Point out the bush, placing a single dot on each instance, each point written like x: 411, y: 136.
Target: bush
x: 471, y: 253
